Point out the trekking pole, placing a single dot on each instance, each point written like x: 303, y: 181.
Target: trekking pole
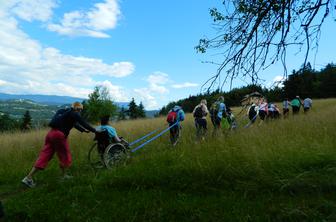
x: 142, y: 138
x: 153, y: 138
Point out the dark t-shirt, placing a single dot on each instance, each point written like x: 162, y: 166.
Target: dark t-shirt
x: 68, y: 121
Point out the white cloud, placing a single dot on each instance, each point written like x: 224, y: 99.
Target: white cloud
x: 69, y: 31
x: 30, y: 10
x: 117, y: 93
x: 93, y: 23
x: 6, y: 83
x: 156, y: 88
x: 277, y: 81
x: 87, y: 66
x: 104, y: 16
x: 157, y: 80
x: 28, y: 67
x: 69, y: 90
x: 34, y: 87
x: 184, y: 85
x: 278, y: 78
x: 148, y: 100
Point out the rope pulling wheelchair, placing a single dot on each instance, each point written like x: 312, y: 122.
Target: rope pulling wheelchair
x: 108, y: 154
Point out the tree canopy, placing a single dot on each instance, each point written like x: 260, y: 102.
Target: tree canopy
x: 254, y: 34
x: 136, y: 111
x: 7, y: 123
x: 26, y: 121
x: 98, y: 105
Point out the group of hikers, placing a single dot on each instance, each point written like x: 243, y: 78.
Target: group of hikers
x: 218, y: 112
x: 296, y: 103
x: 265, y: 110
x: 56, y: 140
x: 222, y: 117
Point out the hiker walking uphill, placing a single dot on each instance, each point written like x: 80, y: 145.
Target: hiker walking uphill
x: 263, y: 110
x: 273, y: 111
x: 296, y: 104
x: 56, y: 140
x: 285, y: 107
x: 231, y: 119
x: 200, y: 112
x: 253, y: 112
x: 217, y: 112
x: 307, y: 104
x: 174, y: 118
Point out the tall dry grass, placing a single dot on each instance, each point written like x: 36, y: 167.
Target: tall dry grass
x: 281, y: 170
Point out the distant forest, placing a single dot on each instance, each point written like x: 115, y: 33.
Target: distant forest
x: 306, y: 82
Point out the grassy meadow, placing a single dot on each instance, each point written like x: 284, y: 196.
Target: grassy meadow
x: 283, y: 170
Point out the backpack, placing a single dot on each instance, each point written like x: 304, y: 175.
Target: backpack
x: 198, y: 112
x: 172, y: 117
x: 252, y: 111
x: 59, y: 115
x: 214, y: 109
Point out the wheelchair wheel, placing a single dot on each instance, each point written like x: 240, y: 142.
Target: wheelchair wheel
x: 95, y: 158
x: 115, y: 154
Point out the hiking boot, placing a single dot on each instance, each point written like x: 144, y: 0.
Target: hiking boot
x: 28, y: 182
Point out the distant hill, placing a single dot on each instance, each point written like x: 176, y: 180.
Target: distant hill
x: 17, y: 107
x: 44, y: 99
x: 50, y: 99
x: 42, y: 107
x: 151, y: 113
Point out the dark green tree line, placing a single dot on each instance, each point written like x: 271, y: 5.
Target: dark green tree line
x: 7, y: 123
x: 305, y: 82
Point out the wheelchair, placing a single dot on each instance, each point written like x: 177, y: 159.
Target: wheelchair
x: 107, y: 154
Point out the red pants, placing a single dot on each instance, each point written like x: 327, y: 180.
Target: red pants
x: 55, y: 141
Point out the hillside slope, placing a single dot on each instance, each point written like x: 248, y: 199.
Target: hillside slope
x: 280, y: 171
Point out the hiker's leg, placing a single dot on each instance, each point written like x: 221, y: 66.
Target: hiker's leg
x: 32, y: 172
x: 205, y: 127
x: 175, y: 134
x: 172, y: 134
x: 197, y: 128
x: 63, y: 153
x: 213, y: 121
x: 262, y: 115
x: 45, y: 155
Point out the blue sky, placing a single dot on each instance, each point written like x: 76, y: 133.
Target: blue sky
x: 140, y: 49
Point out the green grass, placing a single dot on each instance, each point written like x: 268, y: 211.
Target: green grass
x: 279, y: 171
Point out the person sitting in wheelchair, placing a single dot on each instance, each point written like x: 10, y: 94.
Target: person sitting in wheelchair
x: 106, y: 134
